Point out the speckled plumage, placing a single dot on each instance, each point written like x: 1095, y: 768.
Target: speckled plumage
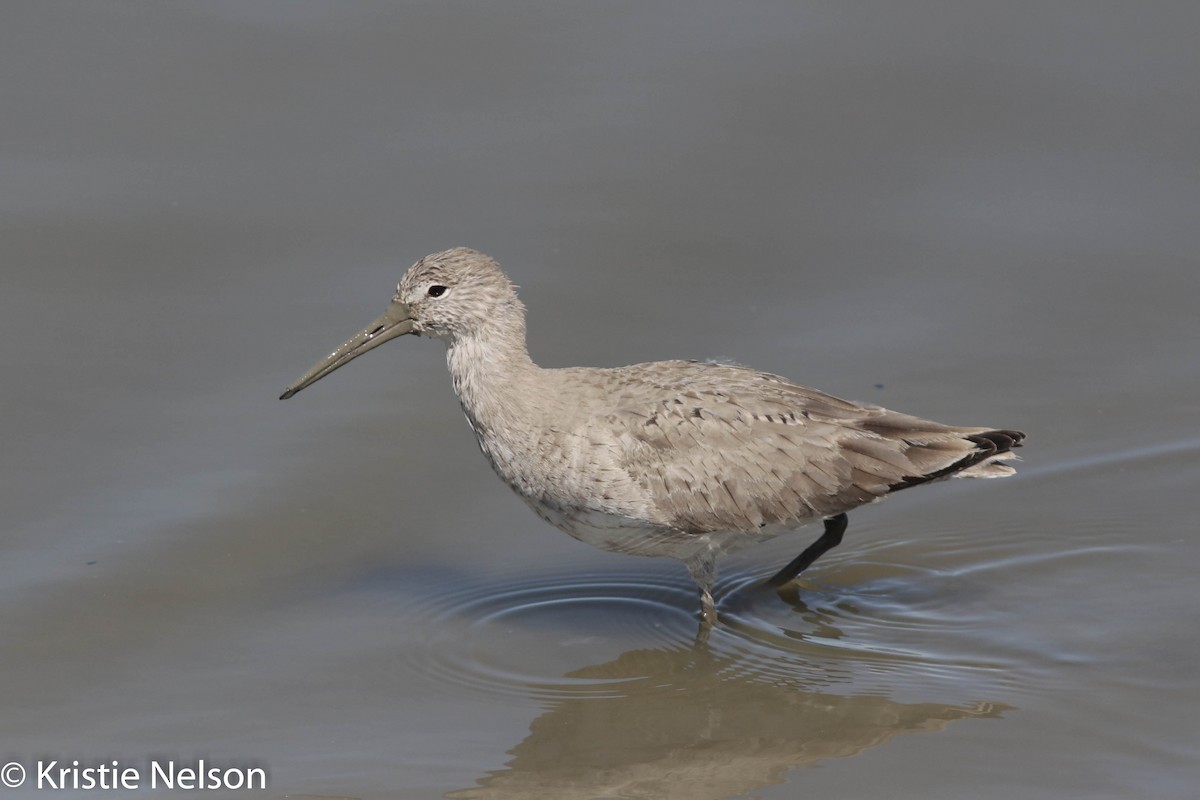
x: 679, y: 458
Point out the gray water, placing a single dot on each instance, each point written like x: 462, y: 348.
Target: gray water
x: 979, y: 213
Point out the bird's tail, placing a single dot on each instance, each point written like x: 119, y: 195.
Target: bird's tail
x: 992, y: 449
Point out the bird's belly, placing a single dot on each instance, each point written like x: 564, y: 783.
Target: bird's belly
x: 634, y: 537
x: 567, y: 500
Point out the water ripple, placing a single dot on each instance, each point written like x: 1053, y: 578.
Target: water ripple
x: 526, y: 638
x: 556, y: 635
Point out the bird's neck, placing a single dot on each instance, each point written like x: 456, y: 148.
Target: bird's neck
x: 495, y: 380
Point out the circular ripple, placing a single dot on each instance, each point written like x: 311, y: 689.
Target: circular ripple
x: 551, y: 636
x: 874, y: 626
x: 864, y: 625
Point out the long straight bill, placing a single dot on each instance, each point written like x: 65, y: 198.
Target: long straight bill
x: 396, y: 321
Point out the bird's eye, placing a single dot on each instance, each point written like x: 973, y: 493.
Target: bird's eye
x: 436, y: 291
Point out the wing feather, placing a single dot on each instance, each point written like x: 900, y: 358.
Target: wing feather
x: 716, y: 447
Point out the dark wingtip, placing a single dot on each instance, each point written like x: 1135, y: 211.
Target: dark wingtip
x: 1003, y: 440
x: 287, y: 393
x: 989, y: 444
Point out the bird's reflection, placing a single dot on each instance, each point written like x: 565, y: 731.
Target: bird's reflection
x: 693, y: 724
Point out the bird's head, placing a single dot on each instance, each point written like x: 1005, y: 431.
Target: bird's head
x: 456, y: 294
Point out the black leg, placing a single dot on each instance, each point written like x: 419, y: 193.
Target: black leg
x: 831, y: 538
